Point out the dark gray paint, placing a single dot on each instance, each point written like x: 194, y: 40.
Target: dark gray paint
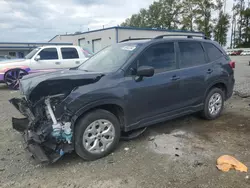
x: 144, y: 102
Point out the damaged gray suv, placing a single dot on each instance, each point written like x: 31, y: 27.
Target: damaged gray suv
x: 123, y: 88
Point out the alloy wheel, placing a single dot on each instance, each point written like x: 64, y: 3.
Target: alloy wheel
x: 215, y: 104
x: 98, y: 136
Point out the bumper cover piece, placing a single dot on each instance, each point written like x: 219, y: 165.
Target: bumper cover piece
x: 36, y: 150
x: 20, y: 124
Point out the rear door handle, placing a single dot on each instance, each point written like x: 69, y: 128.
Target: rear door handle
x: 209, y: 71
x: 174, y: 78
x: 78, y: 62
x: 57, y: 63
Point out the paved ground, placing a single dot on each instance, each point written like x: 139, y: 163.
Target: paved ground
x: 176, y: 154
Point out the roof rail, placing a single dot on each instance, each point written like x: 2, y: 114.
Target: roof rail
x: 134, y: 39
x: 179, y: 35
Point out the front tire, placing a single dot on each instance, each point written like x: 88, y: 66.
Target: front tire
x: 12, y: 78
x: 214, y: 104
x: 97, y: 134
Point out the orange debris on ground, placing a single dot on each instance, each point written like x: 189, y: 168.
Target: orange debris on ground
x: 227, y: 162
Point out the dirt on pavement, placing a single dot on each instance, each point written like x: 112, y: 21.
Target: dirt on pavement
x: 175, y: 154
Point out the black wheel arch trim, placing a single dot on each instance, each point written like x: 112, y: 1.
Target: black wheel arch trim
x: 213, y: 84
x: 95, y: 104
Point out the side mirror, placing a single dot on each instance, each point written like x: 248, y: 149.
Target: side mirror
x: 37, y: 58
x: 145, y: 71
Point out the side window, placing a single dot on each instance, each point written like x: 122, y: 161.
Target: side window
x: 69, y: 53
x: 191, y: 54
x: 48, y: 54
x: 160, y: 56
x: 212, y: 51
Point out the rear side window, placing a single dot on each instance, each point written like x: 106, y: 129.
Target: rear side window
x: 160, y: 56
x: 212, y: 51
x: 48, y: 54
x: 69, y: 53
x: 191, y: 54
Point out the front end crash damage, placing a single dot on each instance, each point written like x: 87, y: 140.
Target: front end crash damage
x: 47, y: 133
x: 47, y: 137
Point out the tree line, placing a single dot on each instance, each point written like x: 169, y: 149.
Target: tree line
x: 207, y: 16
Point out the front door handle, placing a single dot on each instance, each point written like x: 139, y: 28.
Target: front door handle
x: 209, y: 71
x: 174, y: 78
x: 57, y: 63
x: 78, y: 62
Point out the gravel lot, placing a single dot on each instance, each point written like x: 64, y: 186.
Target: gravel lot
x: 176, y: 154
x: 242, y: 75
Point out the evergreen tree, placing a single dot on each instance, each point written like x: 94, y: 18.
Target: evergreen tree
x: 222, y: 24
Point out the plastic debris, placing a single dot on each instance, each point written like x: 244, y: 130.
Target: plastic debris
x: 227, y: 162
x: 151, y: 138
x: 126, y: 149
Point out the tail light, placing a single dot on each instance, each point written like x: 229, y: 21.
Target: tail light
x: 232, y: 64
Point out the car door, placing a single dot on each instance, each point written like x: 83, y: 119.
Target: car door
x: 194, y: 72
x: 216, y: 60
x: 49, y: 59
x: 150, y: 98
x: 70, y: 57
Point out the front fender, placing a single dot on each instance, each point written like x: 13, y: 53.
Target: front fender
x: 5, y: 69
x: 95, y: 104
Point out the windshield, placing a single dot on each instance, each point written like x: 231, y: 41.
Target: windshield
x: 32, y: 53
x: 110, y: 59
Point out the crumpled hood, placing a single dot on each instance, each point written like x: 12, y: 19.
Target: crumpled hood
x: 35, y: 86
x: 14, y: 62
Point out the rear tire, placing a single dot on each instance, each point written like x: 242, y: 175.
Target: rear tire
x: 97, y: 134
x: 214, y: 104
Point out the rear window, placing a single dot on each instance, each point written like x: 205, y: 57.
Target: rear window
x: 191, y: 54
x: 212, y: 51
x: 69, y: 53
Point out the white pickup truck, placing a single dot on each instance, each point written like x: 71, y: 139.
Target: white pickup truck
x: 42, y: 59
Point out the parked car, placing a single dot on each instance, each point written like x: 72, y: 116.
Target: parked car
x: 42, y: 59
x: 236, y: 53
x: 229, y: 53
x: 124, y: 87
x: 244, y: 53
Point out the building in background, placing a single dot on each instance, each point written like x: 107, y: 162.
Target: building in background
x: 21, y: 49
x: 98, y: 39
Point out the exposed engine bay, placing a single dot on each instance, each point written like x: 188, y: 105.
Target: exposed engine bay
x: 48, y: 137
x: 47, y: 126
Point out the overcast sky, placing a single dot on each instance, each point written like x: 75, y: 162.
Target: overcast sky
x: 40, y: 20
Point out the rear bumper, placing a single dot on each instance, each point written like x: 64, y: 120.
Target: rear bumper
x: 230, y: 88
